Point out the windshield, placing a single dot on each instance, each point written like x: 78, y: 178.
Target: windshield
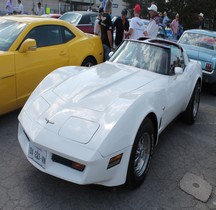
x: 9, y: 31
x: 200, y: 40
x: 72, y: 18
x: 143, y: 55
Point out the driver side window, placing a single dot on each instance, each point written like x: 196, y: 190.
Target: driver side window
x: 47, y: 35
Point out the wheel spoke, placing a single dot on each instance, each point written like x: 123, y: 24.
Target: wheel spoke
x: 142, y: 154
x: 196, y: 102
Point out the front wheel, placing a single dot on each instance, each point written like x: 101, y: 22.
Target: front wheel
x: 141, y: 154
x: 191, y: 111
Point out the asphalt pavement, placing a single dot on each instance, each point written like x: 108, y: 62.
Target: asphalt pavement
x: 183, y: 152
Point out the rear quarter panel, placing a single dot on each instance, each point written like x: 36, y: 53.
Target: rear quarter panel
x: 82, y: 47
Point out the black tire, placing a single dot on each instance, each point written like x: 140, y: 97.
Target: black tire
x: 191, y: 111
x: 88, y: 62
x: 140, y: 155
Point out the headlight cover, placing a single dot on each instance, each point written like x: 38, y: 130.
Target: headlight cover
x: 78, y: 129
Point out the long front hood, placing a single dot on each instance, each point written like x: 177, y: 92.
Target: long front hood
x: 98, y: 87
x: 75, y: 108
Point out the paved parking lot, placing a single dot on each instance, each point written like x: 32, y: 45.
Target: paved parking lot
x: 182, y: 149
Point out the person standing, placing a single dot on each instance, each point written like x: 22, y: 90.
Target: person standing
x: 40, y: 9
x: 97, y: 29
x: 106, y: 30
x: 174, y: 25
x: 153, y: 26
x: 9, y: 7
x: 89, y: 9
x: 137, y: 27
x: 201, y: 21
x: 121, y: 24
x: 20, y: 7
x: 165, y: 19
x: 160, y: 17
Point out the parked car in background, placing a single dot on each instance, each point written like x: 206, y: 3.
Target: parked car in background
x: 31, y: 47
x: 99, y: 125
x: 84, y: 20
x: 201, y: 45
x: 51, y: 15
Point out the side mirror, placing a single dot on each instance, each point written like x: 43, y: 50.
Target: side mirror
x: 178, y: 70
x: 28, y: 45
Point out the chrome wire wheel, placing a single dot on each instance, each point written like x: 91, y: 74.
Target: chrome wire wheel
x: 142, y: 155
x: 196, y: 101
x: 191, y: 111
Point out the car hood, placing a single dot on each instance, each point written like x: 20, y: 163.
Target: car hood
x: 98, y: 87
x: 78, y: 104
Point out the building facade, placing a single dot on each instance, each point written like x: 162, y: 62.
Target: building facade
x: 61, y: 6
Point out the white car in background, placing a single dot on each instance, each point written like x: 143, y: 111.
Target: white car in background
x: 99, y: 125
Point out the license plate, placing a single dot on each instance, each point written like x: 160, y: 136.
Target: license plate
x: 37, y: 154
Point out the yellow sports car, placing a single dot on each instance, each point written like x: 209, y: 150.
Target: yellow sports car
x: 31, y: 47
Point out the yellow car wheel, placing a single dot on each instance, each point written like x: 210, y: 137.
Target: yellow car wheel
x: 89, y: 62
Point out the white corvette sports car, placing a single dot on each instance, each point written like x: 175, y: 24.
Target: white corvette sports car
x: 99, y: 124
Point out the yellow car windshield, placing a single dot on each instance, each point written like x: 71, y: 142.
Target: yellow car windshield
x: 9, y: 31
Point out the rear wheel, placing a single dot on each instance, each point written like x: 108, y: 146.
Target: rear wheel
x: 141, y: 154
x: 88, y: 62
x: 192, y: 109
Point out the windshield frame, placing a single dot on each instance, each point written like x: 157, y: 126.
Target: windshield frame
x: 138, y: 55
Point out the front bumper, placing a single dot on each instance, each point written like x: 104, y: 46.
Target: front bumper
x: 209, y: 77
x: 96, y: 167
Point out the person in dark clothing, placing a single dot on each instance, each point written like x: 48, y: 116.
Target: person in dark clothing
x: 106, y: 30
x: 121, y: 24
x: 201, y: 21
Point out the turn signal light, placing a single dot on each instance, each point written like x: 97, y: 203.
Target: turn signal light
x: 68, y: 163
x: 114, y: 160
x: 77, y: 166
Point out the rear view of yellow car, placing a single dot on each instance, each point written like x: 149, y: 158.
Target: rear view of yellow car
x: 32, y: 47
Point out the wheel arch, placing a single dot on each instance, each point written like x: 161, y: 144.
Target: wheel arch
x: 132, y: 180
x: 199, y: 80
x: 89, y: 57
x: 152, y: 116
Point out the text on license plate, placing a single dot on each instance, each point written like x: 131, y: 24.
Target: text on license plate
x: 37, y: 154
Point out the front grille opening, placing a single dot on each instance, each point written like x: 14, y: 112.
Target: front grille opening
x: 68, y: 163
